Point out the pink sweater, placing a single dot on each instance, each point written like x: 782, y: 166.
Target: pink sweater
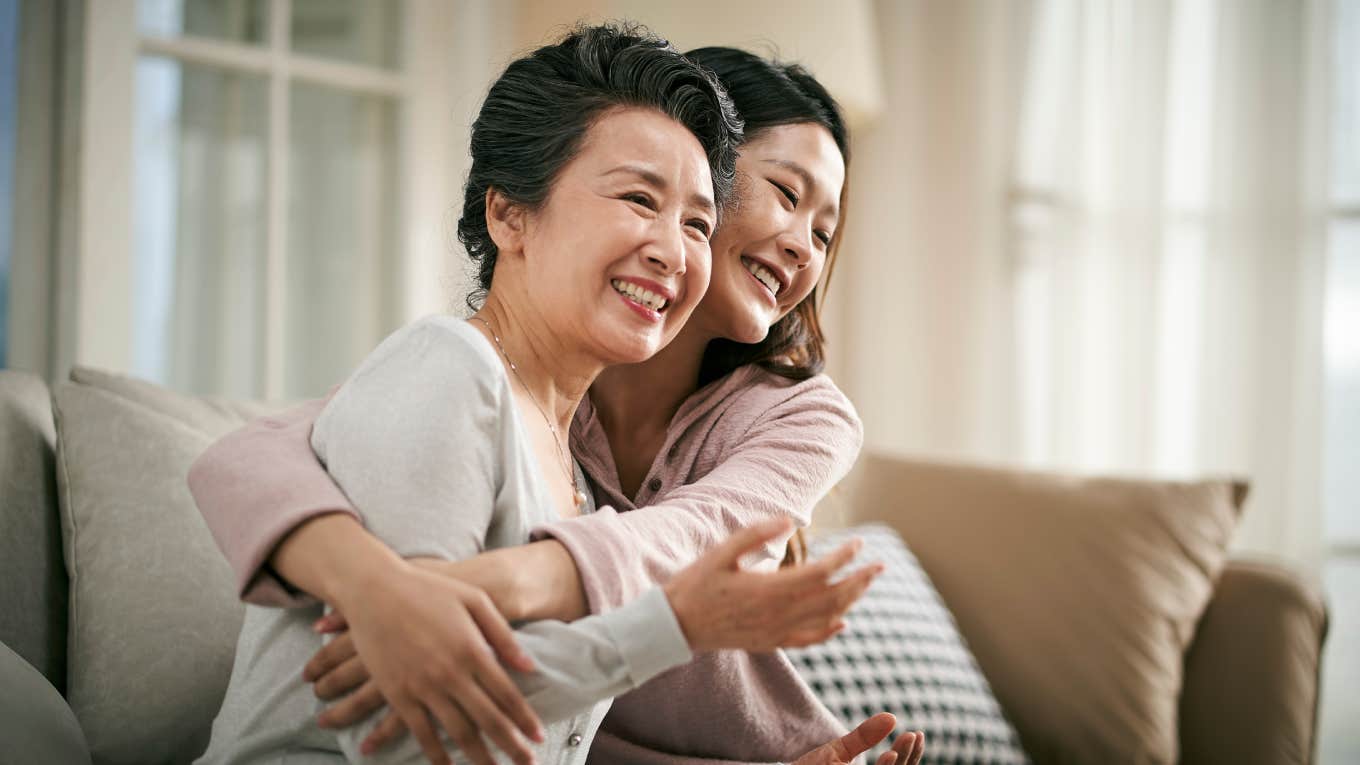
x: 748, y: 447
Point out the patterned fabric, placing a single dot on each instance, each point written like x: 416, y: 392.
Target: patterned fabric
x: 902, y: 653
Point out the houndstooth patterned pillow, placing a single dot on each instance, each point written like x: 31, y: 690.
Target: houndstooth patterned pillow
x: 902, y: 653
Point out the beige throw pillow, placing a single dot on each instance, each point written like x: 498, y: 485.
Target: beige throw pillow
x: 1078, y: 596
x: 153, y: 610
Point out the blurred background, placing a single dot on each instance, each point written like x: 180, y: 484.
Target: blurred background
x: 1089, y: 235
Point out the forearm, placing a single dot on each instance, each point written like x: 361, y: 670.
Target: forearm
x: 527, y: 582
x: 332, y: 557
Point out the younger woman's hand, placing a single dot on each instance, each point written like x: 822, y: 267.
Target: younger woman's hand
x: 430, y: 644
x: 721, y: 606
x: 906, y: 750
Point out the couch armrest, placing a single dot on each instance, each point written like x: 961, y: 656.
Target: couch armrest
x: 36, y: 725
x: 1251, y: 674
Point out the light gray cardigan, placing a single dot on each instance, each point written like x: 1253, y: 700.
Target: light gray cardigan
x: 426, y: 441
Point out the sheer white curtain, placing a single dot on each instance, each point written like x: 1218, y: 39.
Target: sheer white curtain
x: 1090, y: 236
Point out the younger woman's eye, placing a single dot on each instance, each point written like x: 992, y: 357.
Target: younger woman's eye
x: 824, y: 237
x: 787, y: 192
x: 700, y: 225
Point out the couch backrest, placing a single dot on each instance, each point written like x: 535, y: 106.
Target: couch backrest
x: 33, y: 596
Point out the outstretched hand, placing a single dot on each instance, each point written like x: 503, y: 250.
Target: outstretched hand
x: 906, y: 750
x: 721, y: 605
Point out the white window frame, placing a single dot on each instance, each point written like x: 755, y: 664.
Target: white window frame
x: 447, y: 57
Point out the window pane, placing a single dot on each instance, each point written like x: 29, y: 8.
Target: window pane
x: 199, y: 233
x: 358, y: 31
x: 9, y: 59
x: 1342, y: 421
x: 233, y: 20
x: 1346, y: 121
x: 343, y: 256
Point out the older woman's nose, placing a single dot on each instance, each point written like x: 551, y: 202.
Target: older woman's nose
x: 667, y: 251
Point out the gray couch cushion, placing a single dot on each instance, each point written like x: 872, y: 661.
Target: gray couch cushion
x: 33, y: 598
x: 35, y: 723
x: 154, y: 616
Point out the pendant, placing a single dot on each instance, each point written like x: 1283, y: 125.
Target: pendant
x: 579, y: 498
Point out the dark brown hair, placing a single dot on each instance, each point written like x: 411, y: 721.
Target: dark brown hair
x: 768, y: 94
x: 538, y: 111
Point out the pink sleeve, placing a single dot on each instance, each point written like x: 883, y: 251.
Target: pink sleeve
x: 254, y: 486
x: 780, y: 467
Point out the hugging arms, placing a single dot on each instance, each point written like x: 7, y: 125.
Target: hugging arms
x: 714, y: 423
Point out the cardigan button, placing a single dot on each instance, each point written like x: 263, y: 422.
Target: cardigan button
x: 574, y: 739
x: 654, y: 484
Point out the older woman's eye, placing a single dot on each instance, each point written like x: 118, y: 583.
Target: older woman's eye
x: 640, y: 199
x: 787, y: 192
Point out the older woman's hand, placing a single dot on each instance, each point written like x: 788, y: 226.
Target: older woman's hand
x: 720, y: 605
x: 906, y: 750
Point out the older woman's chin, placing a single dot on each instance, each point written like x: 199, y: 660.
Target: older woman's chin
x: 629, y: 347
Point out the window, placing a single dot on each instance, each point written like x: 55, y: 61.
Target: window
x: 9, y: 59
x: 265, y: 154
x: 265, y: 184
x: 1341, y: 479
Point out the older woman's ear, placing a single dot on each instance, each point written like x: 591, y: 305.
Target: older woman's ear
x: 505, y: 221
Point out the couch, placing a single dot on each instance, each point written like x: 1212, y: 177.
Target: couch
x: 117, y: 617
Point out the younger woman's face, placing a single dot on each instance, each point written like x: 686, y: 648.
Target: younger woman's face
x: 772, y: 246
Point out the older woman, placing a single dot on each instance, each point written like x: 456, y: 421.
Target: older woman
x: 599, y: 164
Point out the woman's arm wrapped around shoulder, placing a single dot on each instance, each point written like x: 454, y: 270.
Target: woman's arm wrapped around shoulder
x: 787, y: 460
x: 254, y: 487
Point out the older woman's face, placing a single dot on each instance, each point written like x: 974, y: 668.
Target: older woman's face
x: 772, y: 246
x: 619, y: 251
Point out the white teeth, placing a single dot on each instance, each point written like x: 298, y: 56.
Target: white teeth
x: 639, y: 295
x: 764, y: 274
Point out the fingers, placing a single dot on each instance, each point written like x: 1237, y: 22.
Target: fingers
x: 332, y: 655
x: 509, y: 706
x: 887, y: 758
x: 353, y: 708
x: 827, y: 565
x: 418, y: 722
x: 499, y: 636
x: 910, y: 746
x: 511, y: 702
x: 341, y: 680
x: 331, y: 622
x: 867, y: 733
x: 748, y: 539
x: 388, y: 730
x: 491, y: 721
x: 802, y: 638
x: 461, y: 730
x: 834, y: 601
x: 918, y: 749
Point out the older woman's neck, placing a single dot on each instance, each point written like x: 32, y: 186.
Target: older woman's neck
x: 555, y: 375
x: 649, y: 393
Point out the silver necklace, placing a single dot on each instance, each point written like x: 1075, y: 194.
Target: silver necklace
x: 577, y: 496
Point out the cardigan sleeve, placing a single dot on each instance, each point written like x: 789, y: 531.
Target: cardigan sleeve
x: 254, y: 486
x: 780, y: 466
x: 421, y: 437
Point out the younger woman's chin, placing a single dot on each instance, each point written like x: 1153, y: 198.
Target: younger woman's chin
x: 750, y: 334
